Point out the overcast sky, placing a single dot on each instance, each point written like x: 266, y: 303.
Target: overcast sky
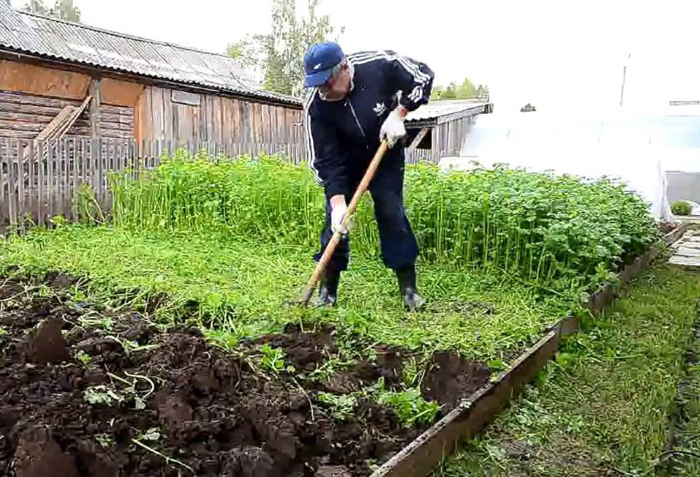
x: 559, y: 54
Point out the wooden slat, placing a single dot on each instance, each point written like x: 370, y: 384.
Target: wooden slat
x: 65, y: 176
x: 95, y: 108
x: 31, y: 173
x: 56, y: 123
x: 12, y: 196
x: 4, y: 161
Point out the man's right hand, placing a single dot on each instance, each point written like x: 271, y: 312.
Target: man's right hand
x: 338, y: 210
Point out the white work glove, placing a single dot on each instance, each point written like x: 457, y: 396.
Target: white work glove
x: 393, y: 128
x: 338, y: 211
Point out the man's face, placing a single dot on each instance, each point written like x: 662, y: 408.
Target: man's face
x: 337, y: 87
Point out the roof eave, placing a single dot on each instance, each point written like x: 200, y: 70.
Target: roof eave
x: 19, y: 54
x: 437, y: 119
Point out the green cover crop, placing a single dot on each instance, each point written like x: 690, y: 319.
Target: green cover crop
x: 557, y: 231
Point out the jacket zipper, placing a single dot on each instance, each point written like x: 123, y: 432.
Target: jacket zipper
x: 357, y: 120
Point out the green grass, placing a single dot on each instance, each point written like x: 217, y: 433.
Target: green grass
x: 236, y: 288
x: 603, y: 407
x: 687, y: 432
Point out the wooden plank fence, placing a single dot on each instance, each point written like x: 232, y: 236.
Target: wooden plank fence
x: 42, y: 179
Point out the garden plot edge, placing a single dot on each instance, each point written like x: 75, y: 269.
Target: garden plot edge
x: 428, y: 450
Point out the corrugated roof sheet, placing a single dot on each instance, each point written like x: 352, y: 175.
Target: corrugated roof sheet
x: 435, y: 110
x: 35, y: 34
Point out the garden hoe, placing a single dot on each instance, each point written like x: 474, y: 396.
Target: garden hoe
x: 333, y: 243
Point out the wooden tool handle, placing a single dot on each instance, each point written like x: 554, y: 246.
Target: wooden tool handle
x: 333, y: 243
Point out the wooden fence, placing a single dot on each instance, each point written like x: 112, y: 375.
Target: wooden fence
x: 40, y: 180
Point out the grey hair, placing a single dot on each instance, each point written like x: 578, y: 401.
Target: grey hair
x: 337, y: 68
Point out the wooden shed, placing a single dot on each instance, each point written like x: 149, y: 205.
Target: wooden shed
x: 62, y: 78
x: 440, y: 128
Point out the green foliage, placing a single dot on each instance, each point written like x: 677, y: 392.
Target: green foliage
x: 466, y: 90
x: 87, y: 206
x: 101, y: 395
x: 234, y: 287
x: 449, y: 93
x: 409, y: 406
x: 557, y: 231
x: 273, y: 359
x: 681, y: 207
x: 103, y: 322
x: 258, y: 198
x: 105, y: 440
x: 280, y: 54
x: 341, y: 406
x: 3, y: 331
x: 83, y: 357
x: 62, y: 9
x: 153, y: 434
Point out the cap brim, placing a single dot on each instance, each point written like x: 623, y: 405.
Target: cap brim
x: 317, y: 79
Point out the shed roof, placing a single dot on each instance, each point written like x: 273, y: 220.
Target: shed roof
x: 82, y: 44
x: 438, y: 112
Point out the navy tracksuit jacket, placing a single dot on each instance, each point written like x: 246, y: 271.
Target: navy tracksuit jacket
x: 343, y: 136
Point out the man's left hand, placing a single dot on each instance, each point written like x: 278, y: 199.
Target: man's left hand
x: 393, y: 129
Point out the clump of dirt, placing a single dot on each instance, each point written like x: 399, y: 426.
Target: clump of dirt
x: 46, y: 344
x: 87, y: 393
x: 303, y: 349
x: 451, y: 378
x: 39, y: 455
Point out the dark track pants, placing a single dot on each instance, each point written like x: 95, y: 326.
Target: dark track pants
x: 398, y: 243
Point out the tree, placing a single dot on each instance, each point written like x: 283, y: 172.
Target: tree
x: 436, y: 92
x: 449, y: 93
x: 36, y: 6
x: 465, y: 90
x: 279, y: 55
x: 62, y: 9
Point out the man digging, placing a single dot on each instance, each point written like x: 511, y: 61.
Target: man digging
x: 354, y: 102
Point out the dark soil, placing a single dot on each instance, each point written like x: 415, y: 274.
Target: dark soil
x: 154, y: 395
x: 450, y: 378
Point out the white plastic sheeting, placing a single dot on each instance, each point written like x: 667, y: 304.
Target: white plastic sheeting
x: 636, y: 149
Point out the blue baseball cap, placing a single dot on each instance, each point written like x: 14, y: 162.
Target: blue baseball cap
x: 319, y: 62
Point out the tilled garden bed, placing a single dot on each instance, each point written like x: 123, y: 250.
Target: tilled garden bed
x: 85, y: 391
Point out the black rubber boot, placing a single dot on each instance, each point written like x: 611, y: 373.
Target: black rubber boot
x: 328, y: 290
x: 412, y: 301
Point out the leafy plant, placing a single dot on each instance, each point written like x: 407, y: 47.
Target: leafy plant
x: 152, y: 435
x: 83, y: 357
x: 681, y: 207
x: 273, y: 359
x: 409, y: 406
x: 3, y: 331
x: 105, y: 440
x: 556, y: 231
x: 101, y: 394
x: 103, y: 322
x: 497, y: 365
x: 342, y: 406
